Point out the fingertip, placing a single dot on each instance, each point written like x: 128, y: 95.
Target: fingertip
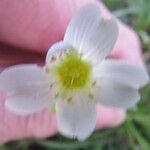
x: 109, y: 117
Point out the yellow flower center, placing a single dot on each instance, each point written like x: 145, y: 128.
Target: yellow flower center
x: 73, y: 72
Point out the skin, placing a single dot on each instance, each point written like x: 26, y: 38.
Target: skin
x: 27, y: 30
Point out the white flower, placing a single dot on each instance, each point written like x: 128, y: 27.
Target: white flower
x: 76, y: 76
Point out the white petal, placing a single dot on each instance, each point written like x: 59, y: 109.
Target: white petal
x: 90, y: 34
x: 58, y: 48
x: 28, y: 102
x: 123, y: 72
x: 112, y: 93
x: 76, y: 119
x: 18, y: 76
x: 27, y: 88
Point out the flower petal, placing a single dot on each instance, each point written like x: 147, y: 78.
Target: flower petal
x: 18, y: 76
x: 24, y: 104
x: 56, y: 49
x: 123, y: 72
x: 113, y: 93
x: 27, y: 88
x: 77, y: 118
x: 90, y: 34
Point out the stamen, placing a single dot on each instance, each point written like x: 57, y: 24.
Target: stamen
x: 51, y: 85
x: 57, y: 95
x: 94, y: 83
x: 69, y: 99
x: 73, y: 72
x: 47, y: 69
x: 91, y: 96
x: 71, y: 81
x: 60, y: 55
x: 53, y: 58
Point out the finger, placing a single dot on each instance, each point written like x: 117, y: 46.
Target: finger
x: 36, y: 24
x: 13, y: 127
x: 11, y: 55
x: 109, y: 117
x: 44, y: 124
x: 39, y: 24
x: 127, y: 46
x: 38, y: 32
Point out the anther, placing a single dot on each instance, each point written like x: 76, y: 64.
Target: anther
x: 91, y: 96
x: 51, y: 85
x: 47, y: 69
x: 69, y: 99
x: 57, y: 95
x: 94, y: 83
x: 53, y: 58
x: 60, y: 55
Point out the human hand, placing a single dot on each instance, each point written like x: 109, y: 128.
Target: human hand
x: 35, y: 26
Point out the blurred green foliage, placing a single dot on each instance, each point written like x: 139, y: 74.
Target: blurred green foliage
x: 134, y: 134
